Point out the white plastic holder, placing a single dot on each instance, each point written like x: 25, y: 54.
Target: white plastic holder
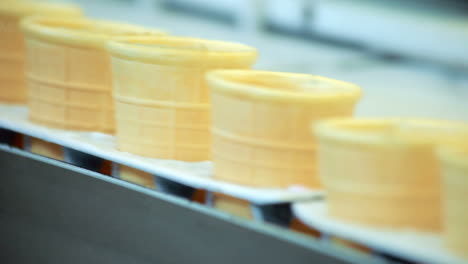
x: 406, y: 245
x: 174, y: 177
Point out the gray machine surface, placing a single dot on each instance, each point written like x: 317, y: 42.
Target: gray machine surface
x: 52, y: 212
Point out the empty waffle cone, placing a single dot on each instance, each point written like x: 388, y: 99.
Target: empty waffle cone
x: 383, y: 173
x: 162, y: 101
x: 46, y: 149
x: 261, y: 124
x: 12, y: 57
x: 137, y: 177
x: 455, y: 197
x: 232, y: 205
x: 68, y: 71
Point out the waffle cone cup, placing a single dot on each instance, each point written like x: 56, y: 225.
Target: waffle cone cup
x: 261, y: 123
x: 162, y: 101
x: 384, y: 172
x: 68, y: 71
x: 12, y: 51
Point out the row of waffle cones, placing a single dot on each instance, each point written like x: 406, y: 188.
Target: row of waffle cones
x: 192, y: 99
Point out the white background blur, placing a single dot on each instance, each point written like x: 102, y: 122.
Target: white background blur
x: 410, y: 57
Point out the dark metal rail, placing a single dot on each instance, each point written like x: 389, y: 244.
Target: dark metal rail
x: 53, y: 212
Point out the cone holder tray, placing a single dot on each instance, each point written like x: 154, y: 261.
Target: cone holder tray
x: 89, y: 149
x: 403, y: 244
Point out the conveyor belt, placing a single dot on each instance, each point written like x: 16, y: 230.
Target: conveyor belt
x: 53, y: 212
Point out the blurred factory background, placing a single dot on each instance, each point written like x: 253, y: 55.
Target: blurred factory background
x: 410, y: 56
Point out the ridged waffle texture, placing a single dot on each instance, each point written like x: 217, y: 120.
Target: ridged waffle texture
x: 72, y: 90
x: 12, y: 88
x: 68, y: 75
x: 455, y: 198
x: 383, y: 173
x: 12, y: 57
x: 261, y: 134
x: 162, y: 101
